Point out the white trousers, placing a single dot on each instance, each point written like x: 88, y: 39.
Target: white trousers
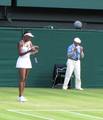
x: 73, y: 66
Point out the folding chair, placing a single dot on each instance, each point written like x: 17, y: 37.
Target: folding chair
x: 59, y: 74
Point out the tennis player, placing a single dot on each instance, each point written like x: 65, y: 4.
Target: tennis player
x: 25, y: 49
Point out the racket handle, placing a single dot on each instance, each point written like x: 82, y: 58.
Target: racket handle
x: 36, y: 60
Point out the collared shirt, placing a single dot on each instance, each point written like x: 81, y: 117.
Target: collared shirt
x: 75, y: 55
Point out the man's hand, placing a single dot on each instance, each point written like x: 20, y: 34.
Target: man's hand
x: 75, y: 49
x: 81, y: 49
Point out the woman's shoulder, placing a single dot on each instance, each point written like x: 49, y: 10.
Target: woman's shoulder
x: 21, y: 42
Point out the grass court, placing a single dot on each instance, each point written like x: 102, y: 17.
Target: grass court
x: 51, y: 104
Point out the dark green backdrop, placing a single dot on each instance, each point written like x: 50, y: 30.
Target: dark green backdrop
x: 79, y: 4
x: 53, y: 45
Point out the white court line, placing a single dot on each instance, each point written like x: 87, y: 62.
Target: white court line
x: 32, y: 115
x: 74, y: 112
x: 59, y: 110
x: 86, y: 115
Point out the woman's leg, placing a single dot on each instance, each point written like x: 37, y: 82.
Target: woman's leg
x: 22, y: 77
x: 26, y: 76
x: 27, y: 73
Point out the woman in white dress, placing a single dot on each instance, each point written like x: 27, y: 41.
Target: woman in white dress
x: 25, y: 49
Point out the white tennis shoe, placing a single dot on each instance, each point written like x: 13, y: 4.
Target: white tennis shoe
x: 79, y: 88
x: 22, y: 99
x: 64, y: 87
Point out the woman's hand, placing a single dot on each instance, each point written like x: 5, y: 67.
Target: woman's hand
x: 34, y: 49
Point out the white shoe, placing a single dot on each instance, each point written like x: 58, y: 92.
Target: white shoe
x: 64, y: 88
x: 79, y: 88
x: 22, y: 99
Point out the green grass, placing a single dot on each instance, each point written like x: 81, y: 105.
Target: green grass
x: 52, y: 104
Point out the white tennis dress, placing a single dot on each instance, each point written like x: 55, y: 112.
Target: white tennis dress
x: 24, y: 61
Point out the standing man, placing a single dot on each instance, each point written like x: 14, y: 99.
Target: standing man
x: 74, y: 53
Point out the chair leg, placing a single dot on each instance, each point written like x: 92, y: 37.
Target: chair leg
x: 55, y: 81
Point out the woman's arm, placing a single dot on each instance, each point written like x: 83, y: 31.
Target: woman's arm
x: 36, y: 49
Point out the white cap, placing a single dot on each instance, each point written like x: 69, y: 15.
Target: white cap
x: 77, y: 40
x: 29, y: 34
